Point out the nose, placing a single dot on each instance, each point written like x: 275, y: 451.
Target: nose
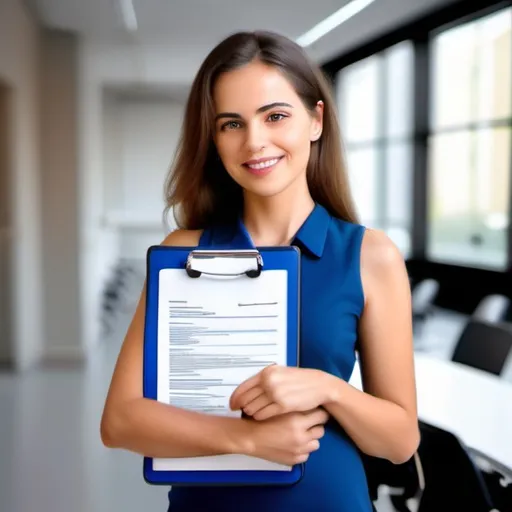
x: 255, y: 137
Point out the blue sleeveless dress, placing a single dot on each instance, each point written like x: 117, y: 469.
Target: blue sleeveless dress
x: 332, y: 300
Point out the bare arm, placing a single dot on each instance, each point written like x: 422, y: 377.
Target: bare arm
x: 382, y: 420
x: 154, y: 429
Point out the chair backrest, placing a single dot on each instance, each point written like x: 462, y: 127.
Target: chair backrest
x: 404, y: 481
x: 423, y: 295
x: 492, y: 308
x: 441, y: 476
x: 498, y: 479
x: 484, y: 345
x: 452, y: 480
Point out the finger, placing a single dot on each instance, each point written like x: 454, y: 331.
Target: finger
x: 317, y: 432
x: 300, y: 459
x: 313, y: 445
x: 268, y: 412
x: 316, y: 417
x: 257, y: 404
x: 243, y: 388
x: 246, y: 398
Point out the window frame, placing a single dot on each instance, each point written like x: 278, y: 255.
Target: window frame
x: 383, y: 142
x: 420, y: 33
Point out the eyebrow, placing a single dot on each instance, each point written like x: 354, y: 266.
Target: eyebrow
x: 264, y: 108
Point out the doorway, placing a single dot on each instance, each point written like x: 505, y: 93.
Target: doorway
x: 6, y: 268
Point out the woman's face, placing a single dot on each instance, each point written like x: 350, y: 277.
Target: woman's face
x: 263, y: 132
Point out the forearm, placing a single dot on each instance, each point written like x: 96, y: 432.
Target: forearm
x: 155, y: 429
x: 378, y: 427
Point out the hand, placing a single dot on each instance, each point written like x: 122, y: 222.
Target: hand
x: 279, y: 390
x: 288, y: 439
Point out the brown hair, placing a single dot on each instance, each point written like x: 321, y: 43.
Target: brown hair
x: 198, y: 187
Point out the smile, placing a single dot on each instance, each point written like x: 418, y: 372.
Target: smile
x: 262, y: 164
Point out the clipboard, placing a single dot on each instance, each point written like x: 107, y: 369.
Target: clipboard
x: 215, y: 268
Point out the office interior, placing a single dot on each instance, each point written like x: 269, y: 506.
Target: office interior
x: 91, y: 102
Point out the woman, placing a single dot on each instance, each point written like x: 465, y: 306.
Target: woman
x: 261, y: 144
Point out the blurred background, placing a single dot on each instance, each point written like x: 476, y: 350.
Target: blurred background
x: 92, y: 96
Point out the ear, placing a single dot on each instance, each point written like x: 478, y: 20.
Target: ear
x: 317, y: 122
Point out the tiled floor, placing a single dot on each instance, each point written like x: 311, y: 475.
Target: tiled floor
x: 52, y: 459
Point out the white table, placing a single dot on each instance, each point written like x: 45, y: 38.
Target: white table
x: 472, y: 404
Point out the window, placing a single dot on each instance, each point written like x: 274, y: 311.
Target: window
x: 469, y: 143
x: 375, y: 108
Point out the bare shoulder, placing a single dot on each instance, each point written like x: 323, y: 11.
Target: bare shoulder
x: 379, y: 253
x: 382, y: 263
x: 183, y: 237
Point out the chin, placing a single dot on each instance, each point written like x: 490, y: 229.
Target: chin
x: 268, y: 186
x: 264, y: 190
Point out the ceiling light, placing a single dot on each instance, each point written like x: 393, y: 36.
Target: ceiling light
x: 333, y: 21
x: 128, y: 13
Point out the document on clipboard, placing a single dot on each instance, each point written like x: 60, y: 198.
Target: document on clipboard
x: 214, y: 319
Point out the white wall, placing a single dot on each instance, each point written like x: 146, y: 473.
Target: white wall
x: 6, y: 336
x: 150, y: 134
x: 59, y: 169
x: 112, y: 174
x: 140, y: 136
x: 19, y: 69
x: 112, y: 154
x: 101, y: 66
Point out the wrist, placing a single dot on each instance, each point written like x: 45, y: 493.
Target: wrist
x: 330, y: 385
x: 242, y: 437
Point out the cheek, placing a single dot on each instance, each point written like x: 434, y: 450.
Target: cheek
x: 227, y: 147
x: 296, y: 142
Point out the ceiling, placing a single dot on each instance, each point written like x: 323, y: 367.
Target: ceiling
x: 197, y: 25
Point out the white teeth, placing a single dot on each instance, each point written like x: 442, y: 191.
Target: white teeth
x: 264, y: 165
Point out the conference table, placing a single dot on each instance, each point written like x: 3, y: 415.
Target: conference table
x: 474, y: 405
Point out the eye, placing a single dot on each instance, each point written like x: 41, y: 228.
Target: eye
x: 230, y: 125
x: 276, y: 117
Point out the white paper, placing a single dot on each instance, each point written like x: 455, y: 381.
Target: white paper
x: 212, y: 335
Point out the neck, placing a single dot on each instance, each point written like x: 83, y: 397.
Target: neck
x: 274, y: 221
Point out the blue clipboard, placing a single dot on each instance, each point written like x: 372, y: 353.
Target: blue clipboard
x: 166, y: 257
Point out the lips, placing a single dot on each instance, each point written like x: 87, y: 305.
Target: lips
x: 262, y: 164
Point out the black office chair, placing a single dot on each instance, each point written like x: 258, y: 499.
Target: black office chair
x: 441, y: 477
x: 403, y: 481
x: 484, y: 345
x: 492, y: 308
x: 497, y: 478
x: 120, y: 292
x: 423, y: 295
x: 452, y: 479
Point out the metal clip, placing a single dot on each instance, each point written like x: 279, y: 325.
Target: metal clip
x: 245, y: 262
